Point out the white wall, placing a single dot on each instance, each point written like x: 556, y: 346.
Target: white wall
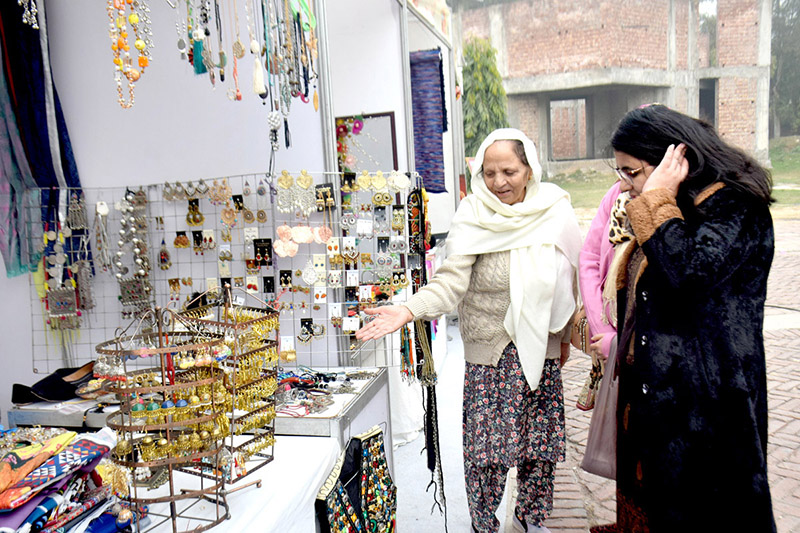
x: 179, y: 129
x: 366, y: 67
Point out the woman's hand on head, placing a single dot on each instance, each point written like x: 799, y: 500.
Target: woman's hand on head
x: 388, y: 319
x: 670, y: 173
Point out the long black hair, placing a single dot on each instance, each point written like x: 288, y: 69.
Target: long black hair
x: 646, y: 132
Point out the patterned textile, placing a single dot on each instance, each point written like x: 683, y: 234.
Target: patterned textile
x: 32, y: 96
x: 81, y: 452
x: 19, y: 463
x: 504, y: 421
x: 505, y: 425
x: 485, y: 491
x: 427, y: 103
x: 18, y: 201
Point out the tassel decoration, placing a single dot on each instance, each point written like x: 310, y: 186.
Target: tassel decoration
x: 258, y: 74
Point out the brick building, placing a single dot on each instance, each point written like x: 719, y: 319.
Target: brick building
x: 573, y: 69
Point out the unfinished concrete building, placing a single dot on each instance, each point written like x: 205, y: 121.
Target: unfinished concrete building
x: 572, y: 69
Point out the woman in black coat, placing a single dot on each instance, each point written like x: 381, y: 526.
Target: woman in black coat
x: 692, y: 410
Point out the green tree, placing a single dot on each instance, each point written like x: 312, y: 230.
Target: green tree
x: 785, y: 69
x: 484, y: 97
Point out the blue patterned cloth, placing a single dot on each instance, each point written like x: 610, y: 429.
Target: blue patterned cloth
x: 430, y: 117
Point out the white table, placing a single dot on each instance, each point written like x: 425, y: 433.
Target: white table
x: 284, y: 502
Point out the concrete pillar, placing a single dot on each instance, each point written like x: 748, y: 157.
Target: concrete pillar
x: 692, y: 81
x: 497, y: 34
x: 761, y: 151
x: 543, y: 107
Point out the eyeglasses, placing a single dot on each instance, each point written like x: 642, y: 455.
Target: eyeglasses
x: 628, y: 175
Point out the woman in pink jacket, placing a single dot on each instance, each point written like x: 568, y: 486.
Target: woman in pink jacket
x: 608, y: 230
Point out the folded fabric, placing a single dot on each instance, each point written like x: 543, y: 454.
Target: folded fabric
x: 9, y: 522
x: 84, y: 451
x: 17, y: 464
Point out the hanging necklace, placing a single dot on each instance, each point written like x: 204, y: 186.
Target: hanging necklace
x: 118, y: 32
x: 223, y: 59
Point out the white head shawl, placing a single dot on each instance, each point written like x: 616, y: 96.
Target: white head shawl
x: 532, y: 230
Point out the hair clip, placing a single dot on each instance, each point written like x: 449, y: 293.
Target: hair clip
x: 167, y: 193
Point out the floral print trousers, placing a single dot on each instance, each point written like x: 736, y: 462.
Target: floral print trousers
x: 506, y: 424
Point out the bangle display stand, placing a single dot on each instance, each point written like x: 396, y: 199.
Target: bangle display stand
x: 171, y: 419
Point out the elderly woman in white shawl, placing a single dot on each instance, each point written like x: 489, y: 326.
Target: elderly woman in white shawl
x: 512, y: 253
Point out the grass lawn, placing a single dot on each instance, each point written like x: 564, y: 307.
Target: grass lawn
x: 588, y: 187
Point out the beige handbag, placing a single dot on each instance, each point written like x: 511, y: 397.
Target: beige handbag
x: 582, y: 339
x: 600, y: 457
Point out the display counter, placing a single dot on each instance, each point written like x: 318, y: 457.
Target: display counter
x: 284, y: 501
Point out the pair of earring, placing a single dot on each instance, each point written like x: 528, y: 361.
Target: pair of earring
x: 225, y: 255
x: 181, y: 241
x: 399, y: 246
x: 194, y: 217
x: 349, y: 185
x: 186, y: 281
x: 382, y: 198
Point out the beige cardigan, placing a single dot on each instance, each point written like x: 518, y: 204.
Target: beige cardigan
x: 479, y: 285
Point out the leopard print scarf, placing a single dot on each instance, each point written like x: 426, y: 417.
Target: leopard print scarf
x: 619, y: 227
x: 621, y: 235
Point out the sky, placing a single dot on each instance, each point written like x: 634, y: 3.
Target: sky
x: 708, y: 7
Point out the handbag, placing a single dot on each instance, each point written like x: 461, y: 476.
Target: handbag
x: 600, y: 457
x: 359, y: 494
x: 582, y: 339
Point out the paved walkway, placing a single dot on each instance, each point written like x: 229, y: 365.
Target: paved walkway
x: 583, y: 500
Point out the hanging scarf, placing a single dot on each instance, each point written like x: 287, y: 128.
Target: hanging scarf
x: 531, y: 230
x: 620, y: 234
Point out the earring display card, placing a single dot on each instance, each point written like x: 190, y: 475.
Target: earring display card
x: 250, y: 234
x: 206, y: 244
x: 286, y: 279
x: 263, y: 249
x: 269, y: 284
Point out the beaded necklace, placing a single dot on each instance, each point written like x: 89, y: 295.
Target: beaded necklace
x: 139, y: 20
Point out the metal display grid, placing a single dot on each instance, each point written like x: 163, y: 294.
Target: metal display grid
x: 201, y: 269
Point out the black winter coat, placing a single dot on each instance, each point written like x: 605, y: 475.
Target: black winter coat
x: 692, y: 412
